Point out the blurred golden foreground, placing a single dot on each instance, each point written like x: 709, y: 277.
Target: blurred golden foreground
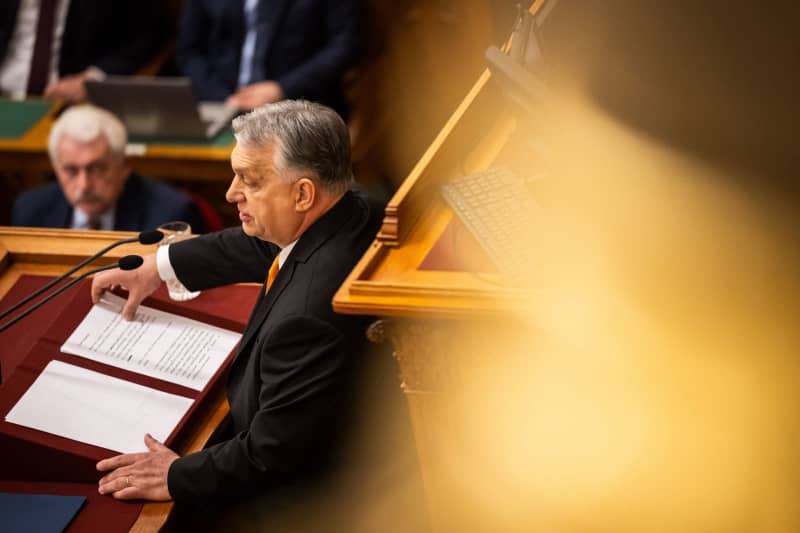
x: 652, y: 383
x: 654, y: 386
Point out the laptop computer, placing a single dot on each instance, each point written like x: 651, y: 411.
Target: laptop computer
x: 162, y: 108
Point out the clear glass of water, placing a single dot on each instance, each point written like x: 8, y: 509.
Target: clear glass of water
x: 174, y: 232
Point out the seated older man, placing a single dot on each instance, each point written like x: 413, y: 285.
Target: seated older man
x: 96, y: 188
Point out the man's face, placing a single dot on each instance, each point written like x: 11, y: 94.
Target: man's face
x: 91, y: 177
x: 265, y: 196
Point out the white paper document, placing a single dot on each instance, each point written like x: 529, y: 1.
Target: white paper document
x: 90, y: 407
x: 157, y: 344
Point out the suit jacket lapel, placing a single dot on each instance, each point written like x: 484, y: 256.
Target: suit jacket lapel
x: 8, y: 20
x: 60, y: 215
x: 265, y: 303
x: 271, y: 12
x: 129, y: 209
x: 313, y: 238
x: 238, y: 27
x: 80, y: 21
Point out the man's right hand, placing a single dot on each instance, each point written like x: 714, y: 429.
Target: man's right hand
x: 139, y: 283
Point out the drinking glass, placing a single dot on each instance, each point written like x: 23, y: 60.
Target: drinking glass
x: 174, y: 232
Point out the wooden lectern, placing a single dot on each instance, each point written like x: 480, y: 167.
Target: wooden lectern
x: 26, y: 251
x: 439, y: 296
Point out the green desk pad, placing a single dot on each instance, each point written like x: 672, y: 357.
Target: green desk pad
x: 17, y: 117
x: 221, y: 140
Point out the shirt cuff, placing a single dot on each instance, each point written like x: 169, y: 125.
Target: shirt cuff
x: 95, y: 73
x: 165, y: 270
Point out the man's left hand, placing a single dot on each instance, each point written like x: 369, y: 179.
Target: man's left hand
x: 69, y: 88
x: 138, y: 475
x: 256, y: 94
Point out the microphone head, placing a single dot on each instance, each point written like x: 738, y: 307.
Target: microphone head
x: 150, y: 237
x: 130, y: 262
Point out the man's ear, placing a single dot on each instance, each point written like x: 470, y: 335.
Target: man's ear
x: 127, y: 168
x: 305, y: 191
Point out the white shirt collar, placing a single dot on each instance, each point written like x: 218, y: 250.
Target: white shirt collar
x: 284, y: 254
x: 80, y: 220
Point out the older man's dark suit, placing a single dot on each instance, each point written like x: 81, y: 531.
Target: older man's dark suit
x: 143, y: 205
x: 116, y: 36
x: 306, y: 46
x: 289, y: 383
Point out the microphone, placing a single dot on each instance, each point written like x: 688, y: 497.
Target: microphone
x: 129, y: 262
x: 145, y: 237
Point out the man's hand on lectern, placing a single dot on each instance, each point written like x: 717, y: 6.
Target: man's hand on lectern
x: 138, y: 475
x: 139, y: 283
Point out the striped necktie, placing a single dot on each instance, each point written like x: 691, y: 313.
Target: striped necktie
x: 273, y: 273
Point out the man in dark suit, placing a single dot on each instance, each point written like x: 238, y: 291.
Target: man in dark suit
x: 253, y: 52
x: 95, y: 188
x: 98, y: 37
x: 303, y: 229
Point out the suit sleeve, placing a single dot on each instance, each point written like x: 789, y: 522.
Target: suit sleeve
x: 302, y: 368
x: 20, y: 212
x: 326, y: 67
x: 42, y: 207
x: 221, y: 258
x: 193, y: 52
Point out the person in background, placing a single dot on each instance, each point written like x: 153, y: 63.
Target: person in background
x: 253, y: 52
x: 49, y: 47
x: 96, y: 188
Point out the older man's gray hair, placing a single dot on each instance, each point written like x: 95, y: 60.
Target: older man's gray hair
x: 308, y: 136
x: 85, y: 123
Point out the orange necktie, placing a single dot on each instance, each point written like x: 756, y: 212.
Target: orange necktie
x: 273, y: 273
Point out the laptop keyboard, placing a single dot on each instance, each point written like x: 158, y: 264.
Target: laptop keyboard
x: 495, y: 206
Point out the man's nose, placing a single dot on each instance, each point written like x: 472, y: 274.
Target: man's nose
x: 233, y: 194
x: 83, y: 182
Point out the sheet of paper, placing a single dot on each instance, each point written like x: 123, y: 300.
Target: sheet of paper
x: 90, y: 407
x: 158, y: 344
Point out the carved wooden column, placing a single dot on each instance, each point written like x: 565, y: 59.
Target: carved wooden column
x: 435, y: 359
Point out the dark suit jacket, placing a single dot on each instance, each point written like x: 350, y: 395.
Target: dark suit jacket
x: 288, y: 385
x: 143, y: 205
x: 116, y: 36
x: 307, y: 45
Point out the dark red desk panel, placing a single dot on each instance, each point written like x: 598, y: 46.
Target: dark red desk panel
x: 38, y: 459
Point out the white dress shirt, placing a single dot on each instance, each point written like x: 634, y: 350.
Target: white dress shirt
x: 80, y: 220
x: 16, y: 66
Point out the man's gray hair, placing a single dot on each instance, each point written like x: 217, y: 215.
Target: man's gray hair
x: 307, y: 135
x: 85, y: 123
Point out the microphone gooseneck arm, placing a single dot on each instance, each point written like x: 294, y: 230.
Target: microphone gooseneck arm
x: 145, y: 237
x: 129, y: 262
